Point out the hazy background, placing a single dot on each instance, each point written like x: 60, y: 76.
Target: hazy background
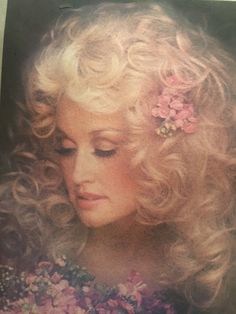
x: 3, y: 8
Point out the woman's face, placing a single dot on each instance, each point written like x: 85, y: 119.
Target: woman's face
x: 95, y: 164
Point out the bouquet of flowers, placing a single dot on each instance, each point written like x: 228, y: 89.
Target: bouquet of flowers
x: 66, y: 288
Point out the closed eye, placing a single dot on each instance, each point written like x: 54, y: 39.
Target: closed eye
x: 105, y: 153
x: 65, y: 151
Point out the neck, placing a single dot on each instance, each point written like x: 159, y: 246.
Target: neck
x: 127, y: 237
x: 122, y: 247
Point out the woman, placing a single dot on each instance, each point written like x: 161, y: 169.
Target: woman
x: 127, y: 160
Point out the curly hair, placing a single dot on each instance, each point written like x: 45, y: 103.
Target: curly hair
x: 119, y: 56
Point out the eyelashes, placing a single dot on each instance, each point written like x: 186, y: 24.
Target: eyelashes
x: 105, y: 153
x: 66, y: 152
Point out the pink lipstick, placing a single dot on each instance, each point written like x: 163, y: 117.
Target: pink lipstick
x: 88, y: 200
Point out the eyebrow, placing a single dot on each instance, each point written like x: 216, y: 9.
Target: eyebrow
x: 107, y: 130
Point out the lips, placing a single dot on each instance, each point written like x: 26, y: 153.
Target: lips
x: 88, y: 200
x: 89, y: 196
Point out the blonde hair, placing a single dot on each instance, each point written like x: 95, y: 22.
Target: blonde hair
x: 114, y: 56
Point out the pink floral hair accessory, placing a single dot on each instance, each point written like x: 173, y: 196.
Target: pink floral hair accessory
x: 174, y: 111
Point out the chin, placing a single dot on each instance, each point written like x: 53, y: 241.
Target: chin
x: 92, y: 222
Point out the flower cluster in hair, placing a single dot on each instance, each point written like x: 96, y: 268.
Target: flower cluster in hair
x: 173, y: 110
x: 67, y: 288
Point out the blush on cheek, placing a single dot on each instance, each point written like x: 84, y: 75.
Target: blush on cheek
x: 124, y: 178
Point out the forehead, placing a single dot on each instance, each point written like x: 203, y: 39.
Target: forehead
x: 71, y: 115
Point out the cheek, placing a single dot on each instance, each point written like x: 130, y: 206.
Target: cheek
x: 121, y: 174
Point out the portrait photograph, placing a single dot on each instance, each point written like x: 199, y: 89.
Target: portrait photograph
x: 118, y: 157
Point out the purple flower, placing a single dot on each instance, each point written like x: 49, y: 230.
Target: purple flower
x: 49, y: 290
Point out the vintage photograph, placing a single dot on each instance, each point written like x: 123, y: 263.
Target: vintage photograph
x: 118, y: 157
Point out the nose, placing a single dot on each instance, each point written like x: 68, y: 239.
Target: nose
x: 84, y: 168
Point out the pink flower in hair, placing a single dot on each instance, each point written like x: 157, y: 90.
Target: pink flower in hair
x: 173, y: 110
x: 176, y: 104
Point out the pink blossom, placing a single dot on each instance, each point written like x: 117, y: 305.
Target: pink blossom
x: 164, y: 111
x: 114, y: 306
x: 176, y: 104
x: 88, y: 301
x: 102, y: 310
x: 65, y: 300
x: 60, y: 261
x: 134, y: 287
x: 63, y: 284
x: 112, y: 303
x: 135, y: 277
x: 33, y: 287
x: 52, y: 294
x: 56, y: 277
x: 43, y: 266
x: 173, y: 110
x: 46, y: 307
x: 86, y: 289
x: 172, y: 113
x: 179, y: 123
x: 178, y: 96
x: 124, y: 305
x: 30, y: 278
x: 155, y: 112
x: 164, y: 99
x: 183, y: 114
x: 128, y: 307
x: 60, y: 289
x: 189, y: 107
